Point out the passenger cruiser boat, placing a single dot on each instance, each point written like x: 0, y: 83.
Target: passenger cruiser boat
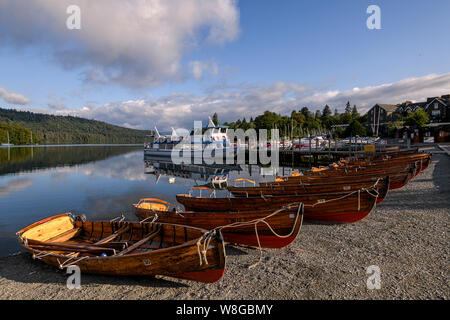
x: 214, y: 141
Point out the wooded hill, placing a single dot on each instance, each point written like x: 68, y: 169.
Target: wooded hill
x: 51, y: 129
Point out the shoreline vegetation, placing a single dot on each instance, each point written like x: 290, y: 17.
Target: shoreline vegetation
x: 24, y: 127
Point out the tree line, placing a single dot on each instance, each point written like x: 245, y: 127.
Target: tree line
x: 51, y: 129
x: 304, y: 122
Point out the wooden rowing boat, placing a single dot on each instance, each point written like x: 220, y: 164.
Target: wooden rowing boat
x: 420, y: 161
x: 397, y: 179
x: 340, y: 207
x: 126, y: 248
x: 265, y: 228
x: 312, y: 188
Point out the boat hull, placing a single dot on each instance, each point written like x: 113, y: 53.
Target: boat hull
x: 172, y: 252
x: 327, y: 208
x: 240, y: 227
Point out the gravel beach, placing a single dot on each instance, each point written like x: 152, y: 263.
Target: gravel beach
x: 406, y: 236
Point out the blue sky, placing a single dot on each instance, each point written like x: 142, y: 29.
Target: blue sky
x: 254, y: 56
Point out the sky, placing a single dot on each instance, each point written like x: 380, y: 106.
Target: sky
x: 139, y: 63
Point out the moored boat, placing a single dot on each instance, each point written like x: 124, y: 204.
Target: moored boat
x: 126, y: 248
x: 266, y: 228
x: 298, y: 189
x: 339, y: 207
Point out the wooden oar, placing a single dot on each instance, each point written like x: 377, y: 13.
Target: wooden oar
x: 79, y: 250
x: 114, y: 235
x: 140, y: 242
x: 61, y: 245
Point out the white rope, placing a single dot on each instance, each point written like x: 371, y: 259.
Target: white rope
x: 155, y: 217
x: 206, y: 240
x: 263, y: 220
x: 64, y: 265
x: 122, y: 217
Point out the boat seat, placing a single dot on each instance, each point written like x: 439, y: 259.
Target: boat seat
x: 153, y: 206
x: 113, y: 236
x: 140, y: 242
x: 67, y: 235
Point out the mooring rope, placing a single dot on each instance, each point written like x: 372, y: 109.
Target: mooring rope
x: 64, y: 265
x: 206, y: 240
x: 263, y: 220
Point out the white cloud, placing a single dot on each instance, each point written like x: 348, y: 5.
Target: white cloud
x: 180, y: 110
x: 198, y: 68
x: 135, y: 43
x: 14, y: 98
x: 57, y: 106
x: 235, y: 102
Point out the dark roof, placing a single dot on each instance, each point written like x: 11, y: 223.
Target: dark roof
x: 439, y: 99
x: 388, y: 107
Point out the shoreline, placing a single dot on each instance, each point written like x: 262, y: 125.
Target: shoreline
x: 406, y: 236
x: 75, y: 145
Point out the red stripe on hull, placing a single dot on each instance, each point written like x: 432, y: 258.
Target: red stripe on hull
x: 344, y: 217
x: 396, y: 186
x: 250, y: 240
x: 379, y: 200
x: 207, y: 276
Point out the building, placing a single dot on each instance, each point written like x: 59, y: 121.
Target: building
x: 379, y: 116
x: 438, y: 109
x: 409, y: 106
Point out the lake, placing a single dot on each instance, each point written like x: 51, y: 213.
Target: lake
x: 100, y: 181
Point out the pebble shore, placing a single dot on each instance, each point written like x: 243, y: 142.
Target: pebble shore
x: 406, y: 236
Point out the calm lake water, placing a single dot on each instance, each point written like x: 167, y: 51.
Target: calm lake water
x: 100, y: 181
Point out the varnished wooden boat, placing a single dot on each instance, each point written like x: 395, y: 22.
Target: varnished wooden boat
x: 126, y: 248
x: 298, y: 189
x: 340, y: 207
x: 420, y: 161
x: 392, y: 161
x: 356, y: 168
x: 265, y: 228
x: 397, y: 179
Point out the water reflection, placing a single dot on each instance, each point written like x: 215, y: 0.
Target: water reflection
x: 101, y: 182
x: 14, y: 185
x: 23, y: 159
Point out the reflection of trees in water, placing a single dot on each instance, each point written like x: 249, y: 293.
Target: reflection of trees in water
x: 29, y: 158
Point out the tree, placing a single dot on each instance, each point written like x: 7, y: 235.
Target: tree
x: 305, y: 112
x: 348, y: 109
x: 346, y: 118
x: 417, y: 118
x: 326, y: 111
x: 318, y: 115
x: 215, y: 119
x: 355, y: 113
x: 355, y: 129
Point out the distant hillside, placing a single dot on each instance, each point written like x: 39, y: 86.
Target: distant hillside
x: 50, y: 129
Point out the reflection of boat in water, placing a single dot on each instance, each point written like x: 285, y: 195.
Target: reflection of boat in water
x: 214, y: 173
x: 213, y: 142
